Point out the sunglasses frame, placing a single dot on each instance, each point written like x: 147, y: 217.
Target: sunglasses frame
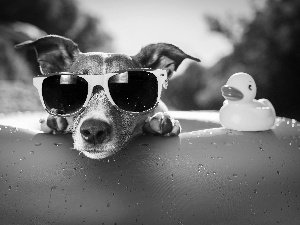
x: 102, y: 80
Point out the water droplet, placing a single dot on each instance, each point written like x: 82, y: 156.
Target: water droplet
x: 57, y: 144
x: 261, y: 148
x: 23, y: 158
x: 38, y: 144
x: 255, y: 191
x: 9, y: 187
x: 53, y: 188
x: 278, y: 172
x: 234, y: 175
x: 31, y: 152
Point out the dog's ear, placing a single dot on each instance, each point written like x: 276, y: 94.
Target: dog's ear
x: 162, y: 56
x: 54, y: 53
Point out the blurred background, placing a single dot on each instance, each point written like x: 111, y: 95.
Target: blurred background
x: 259, y: 37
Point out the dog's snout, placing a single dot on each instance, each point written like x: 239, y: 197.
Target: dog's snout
x: 95, y: 131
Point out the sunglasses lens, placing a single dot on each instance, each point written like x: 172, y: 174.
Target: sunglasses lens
x: 134, y: 91
x: 64, y: 94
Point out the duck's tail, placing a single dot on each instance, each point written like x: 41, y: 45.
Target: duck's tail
x: 267, y: 103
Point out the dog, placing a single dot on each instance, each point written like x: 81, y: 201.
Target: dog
x: 101, y: 130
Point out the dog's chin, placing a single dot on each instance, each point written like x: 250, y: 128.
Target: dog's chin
x: 99, y: 151
x: 97, y: 154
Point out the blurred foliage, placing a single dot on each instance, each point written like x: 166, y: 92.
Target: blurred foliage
x: 27, y: 20
x: 61, y: 17
x: 268, y: 49
x: 231, y: 27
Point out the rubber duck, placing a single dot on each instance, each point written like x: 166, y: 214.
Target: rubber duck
x: 240, y: 111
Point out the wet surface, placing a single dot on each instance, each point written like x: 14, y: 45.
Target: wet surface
x: 209, y: 176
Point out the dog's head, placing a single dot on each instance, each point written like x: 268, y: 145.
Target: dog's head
x: 101, y: 130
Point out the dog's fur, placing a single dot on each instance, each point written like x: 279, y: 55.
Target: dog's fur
x: 101, y: 130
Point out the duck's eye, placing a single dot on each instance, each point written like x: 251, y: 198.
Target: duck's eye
x: 250, y: 87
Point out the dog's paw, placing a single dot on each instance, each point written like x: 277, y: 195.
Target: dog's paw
x: 55, y: 125
x: 162, y: 123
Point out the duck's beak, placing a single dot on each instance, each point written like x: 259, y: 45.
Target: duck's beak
x: 231, y: 93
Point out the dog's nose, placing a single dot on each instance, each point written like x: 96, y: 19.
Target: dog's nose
x: 95, y: 131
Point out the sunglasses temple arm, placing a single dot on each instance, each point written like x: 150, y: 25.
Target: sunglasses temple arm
x: 165, y: 84
x: 37, y: 83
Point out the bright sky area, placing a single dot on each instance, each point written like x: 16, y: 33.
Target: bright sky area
x: 136, y: 23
